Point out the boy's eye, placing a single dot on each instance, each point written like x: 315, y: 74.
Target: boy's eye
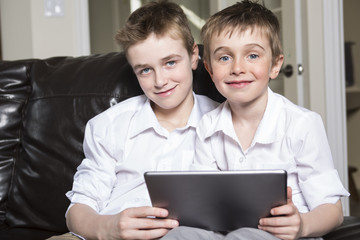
x: 224, y: 58
x: 253, y: 56
x: 145, y: 71
x: 170, y: 63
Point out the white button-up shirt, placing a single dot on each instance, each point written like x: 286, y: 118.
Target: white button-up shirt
x: 121, y: 144
x: 288, y: 137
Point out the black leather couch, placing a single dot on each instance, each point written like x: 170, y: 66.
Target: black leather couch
x: 44, y: 106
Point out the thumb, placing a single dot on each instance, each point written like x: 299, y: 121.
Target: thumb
x: 289, y: 195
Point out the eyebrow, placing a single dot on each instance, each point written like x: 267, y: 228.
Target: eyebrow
x: 250, y: 45
x: 167, y: 58
x: 164, y: 59
x: 140, y: 66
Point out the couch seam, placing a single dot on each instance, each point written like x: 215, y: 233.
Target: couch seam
x: 74, y: 95
x: 10, y: 99
x: 17, y: 148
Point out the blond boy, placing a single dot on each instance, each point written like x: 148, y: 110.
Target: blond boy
x: 155, y: 131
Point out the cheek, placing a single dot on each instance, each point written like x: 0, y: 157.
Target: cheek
x: 218, y: 73
x: 182, y: 74
x: 262, y: 73
x: 145, y: 84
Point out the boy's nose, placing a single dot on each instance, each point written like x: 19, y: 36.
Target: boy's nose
x: 238, y: 67
x: 160, y: 80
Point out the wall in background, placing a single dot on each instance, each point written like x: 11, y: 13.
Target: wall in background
x: 16, y: 37
x: 106, y: 17
x: 27, y: 33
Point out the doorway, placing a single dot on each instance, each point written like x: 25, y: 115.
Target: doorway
x: 0, y: 44
x: 352, y: 61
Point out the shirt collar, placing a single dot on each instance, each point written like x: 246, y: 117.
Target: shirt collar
x: 267, y: 131
x: 223, y: 123
x: 145, y: 119
x: 196, y: 114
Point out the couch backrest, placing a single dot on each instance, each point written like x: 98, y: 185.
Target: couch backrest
x: 44, y: 107
x: 14, y: 92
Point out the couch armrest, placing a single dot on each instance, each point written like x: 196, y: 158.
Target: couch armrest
x: 348, y: 230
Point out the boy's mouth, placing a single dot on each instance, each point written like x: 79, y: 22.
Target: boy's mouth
x: 166, y: 93
x: 239, y: 84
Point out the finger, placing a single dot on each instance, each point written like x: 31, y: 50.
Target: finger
x: 289, y: 194
x: 284, y: 209
x: 284, y: 236
x: 287, y: 209
x: 279, y: 231
x: 154, y: 223
x: 275, y: 222
x: 273, y: 230
x: 144, y: 234
x: 154, y: 234
x: 141, y: 212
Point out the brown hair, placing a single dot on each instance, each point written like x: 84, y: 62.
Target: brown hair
x: 240, y: 17
x: 159, y: 18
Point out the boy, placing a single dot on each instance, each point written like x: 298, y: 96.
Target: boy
x: 258, y: 129
x: 155, y: 131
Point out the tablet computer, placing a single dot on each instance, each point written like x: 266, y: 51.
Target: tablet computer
x: 218, y: 200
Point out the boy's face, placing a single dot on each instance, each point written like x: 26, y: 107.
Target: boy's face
x: 164, y: 70
x: 241, y: 65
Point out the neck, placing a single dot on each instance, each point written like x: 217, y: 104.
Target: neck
x: 251, y: 111
x: 246, y: 119
x: 176, y: 117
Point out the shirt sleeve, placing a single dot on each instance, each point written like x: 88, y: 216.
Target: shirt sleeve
x: 95, y: 176
x: 318, y: 179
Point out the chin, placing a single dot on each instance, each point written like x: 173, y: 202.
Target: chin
x: 166, y: 106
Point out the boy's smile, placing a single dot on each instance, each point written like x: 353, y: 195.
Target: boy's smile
x: 241, y: 65
x: 166, y: 93
x: 239, y: 84
x: 164, y: 70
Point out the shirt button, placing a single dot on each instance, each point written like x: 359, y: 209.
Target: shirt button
x: 241, y: 159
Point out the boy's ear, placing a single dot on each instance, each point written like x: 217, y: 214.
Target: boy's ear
x: 275, y: 69
x: 208, y: 68
x: 195, y: 57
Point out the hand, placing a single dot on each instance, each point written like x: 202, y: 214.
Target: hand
x: 134, y: 223
x: 286, y: 222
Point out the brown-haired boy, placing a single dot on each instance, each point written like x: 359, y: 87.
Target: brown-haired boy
x: 258, y: 129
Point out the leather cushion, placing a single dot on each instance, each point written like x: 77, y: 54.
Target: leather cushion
x: 66, y: 93
x: 14, y: 91
x: 348, y: 230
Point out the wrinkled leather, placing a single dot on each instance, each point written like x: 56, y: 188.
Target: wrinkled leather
x: 14, y: 90
x: 65, y: 94
x: 349, y: 230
